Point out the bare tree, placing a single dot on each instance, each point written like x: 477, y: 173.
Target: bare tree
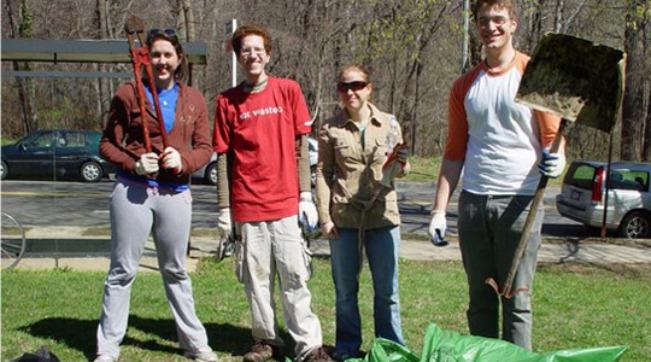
x: 20, y: 20
x: 558, y: 16
x: 632, y: 109
x: 646, y: 154
x: 412, y: 48
x: 535, y: 24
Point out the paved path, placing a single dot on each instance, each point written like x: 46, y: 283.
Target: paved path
x: 590, y: 251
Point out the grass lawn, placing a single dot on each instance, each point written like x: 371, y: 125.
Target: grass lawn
x: 426, y: 169
x: 6, y: 141
x: 575, y: 306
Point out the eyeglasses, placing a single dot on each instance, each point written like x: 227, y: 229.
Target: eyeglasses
x: 343, y: 87
x: 167, y: 33
x: 498, y: 20
x: 252, y: 51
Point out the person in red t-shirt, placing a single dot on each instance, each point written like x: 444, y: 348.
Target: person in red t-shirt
x: 261, y: 127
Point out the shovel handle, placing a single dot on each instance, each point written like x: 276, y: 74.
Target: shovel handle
x: 140, y: 92
x: 507, y: 290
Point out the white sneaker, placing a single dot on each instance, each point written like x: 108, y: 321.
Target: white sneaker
x: 204, y: 355
x: 105, y: 358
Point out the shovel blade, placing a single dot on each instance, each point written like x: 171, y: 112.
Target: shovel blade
x: 575, y: 79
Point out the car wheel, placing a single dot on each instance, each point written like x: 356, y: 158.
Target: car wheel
x: 636, y: 225
x: 211, y: 174
x: 91, y: 171
x: 4, y: 170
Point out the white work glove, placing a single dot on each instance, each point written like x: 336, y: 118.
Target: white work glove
x: 224, y: 222
x: 307, y: 214
x: 552, y: 164
x: 147, y: 164
x: 171, y: 159
x: 437, y: 227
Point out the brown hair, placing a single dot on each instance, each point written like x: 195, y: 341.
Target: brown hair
x: 355, y: 67
x: 251, y: 29
x: 505, y: 4
x: 182, y: 70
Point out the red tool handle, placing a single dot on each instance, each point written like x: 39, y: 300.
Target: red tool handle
x: 136, y: 59
x: 154, y: 95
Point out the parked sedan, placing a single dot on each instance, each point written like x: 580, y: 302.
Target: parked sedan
x: 56, y: 154
x: 582, y: 196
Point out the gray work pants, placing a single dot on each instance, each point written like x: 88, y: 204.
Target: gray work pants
x: 268, y: 247
x: 135, y: 208
x: 489, y: 231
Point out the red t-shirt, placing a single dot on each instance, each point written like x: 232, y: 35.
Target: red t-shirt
x: 259, y: 131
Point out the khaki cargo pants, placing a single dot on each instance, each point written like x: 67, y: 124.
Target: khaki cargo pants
x: 268, y: 247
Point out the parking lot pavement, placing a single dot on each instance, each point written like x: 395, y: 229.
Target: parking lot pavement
x: 591, y: 251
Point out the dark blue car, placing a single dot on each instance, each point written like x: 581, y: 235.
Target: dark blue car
x: 58, y: 154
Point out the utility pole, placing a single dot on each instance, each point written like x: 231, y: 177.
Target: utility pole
x: 230, y: 30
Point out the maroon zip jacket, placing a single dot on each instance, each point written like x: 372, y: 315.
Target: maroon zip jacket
x: 122, y: 140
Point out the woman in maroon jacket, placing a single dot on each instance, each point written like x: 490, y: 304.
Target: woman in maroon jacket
x: 152, y: 194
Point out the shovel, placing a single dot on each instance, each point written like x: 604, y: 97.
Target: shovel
x: 580, y: 82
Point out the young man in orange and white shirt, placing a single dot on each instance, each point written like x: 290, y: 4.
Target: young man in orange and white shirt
x: 501, y: 146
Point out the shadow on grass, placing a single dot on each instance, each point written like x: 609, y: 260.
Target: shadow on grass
x: 79, y: 334
x: 75, y: 333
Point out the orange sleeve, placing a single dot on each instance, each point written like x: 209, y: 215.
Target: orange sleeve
x: 548, y: 125
x: 457, y: 138
x: 455, y: 144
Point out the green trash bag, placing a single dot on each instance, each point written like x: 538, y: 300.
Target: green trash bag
x: 442, y: 345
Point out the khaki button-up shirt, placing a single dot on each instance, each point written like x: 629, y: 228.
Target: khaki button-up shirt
x: 350, y: 169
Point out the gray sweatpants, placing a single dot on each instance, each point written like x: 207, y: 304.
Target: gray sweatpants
x: 489, y: 231
x: 268, y: 247
x: 135, y: 208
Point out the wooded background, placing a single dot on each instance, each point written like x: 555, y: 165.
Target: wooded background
x: 413, y: 48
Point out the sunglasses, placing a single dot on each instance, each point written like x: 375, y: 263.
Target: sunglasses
x: 167, y: 33
x: 355, y: 86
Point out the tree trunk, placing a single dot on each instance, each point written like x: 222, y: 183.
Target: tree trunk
x: 646, y: 152
x: 20, y: 22
x: 535, y: 25
x: 632, y: 108
x: 190, y: 33
x: 100, y: 84
x: 414, y: 118
x: 558, y: 16
x: 475, y: 46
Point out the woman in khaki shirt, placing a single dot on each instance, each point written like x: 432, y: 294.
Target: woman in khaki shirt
x: 358, y: 208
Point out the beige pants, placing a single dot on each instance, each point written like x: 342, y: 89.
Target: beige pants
x: 267, y: 247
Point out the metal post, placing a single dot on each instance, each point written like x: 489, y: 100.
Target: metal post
x: 233, y: 56
x: 465, y: 61
x: 607, y: 188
